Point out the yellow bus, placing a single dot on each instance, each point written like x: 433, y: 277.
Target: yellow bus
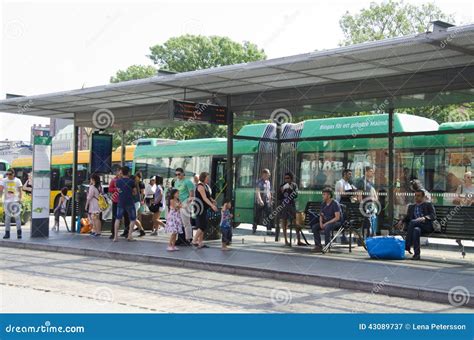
x: 61, y: 169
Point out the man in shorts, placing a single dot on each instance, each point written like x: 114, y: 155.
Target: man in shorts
x: 126, y: 204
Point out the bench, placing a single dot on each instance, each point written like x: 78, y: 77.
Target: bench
x: 353, y: 221
x: 457, y: 222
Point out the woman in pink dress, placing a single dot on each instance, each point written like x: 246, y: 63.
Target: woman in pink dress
x: 174, y: 224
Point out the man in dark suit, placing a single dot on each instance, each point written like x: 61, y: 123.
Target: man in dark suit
x: 419, y: 219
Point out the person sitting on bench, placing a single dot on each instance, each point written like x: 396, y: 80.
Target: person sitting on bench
x: 329, y: 219
x: 419, y: 218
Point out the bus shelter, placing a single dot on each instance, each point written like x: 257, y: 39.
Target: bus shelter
x: 422, y: 70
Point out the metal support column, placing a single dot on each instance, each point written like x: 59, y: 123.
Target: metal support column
x: 276, y: 218
x: 123, y: 149
x: 74, y: 178
x: 391, y: 166
x: 230, y: 151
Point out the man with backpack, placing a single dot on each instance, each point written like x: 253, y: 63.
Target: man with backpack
x: 330, y: 218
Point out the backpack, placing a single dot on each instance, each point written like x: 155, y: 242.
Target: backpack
x: 102, y: 201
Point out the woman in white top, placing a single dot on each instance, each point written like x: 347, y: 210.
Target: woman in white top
x: 465, y: 191
x: 157, y: 205
x: 92, y: 204
x: 150, y: 189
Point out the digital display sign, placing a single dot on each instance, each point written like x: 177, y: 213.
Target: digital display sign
x: 198, y: 112
x: 101, y: 154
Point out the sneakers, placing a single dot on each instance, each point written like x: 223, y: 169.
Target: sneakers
x: 18, y: 234
x: 154, y: 233
x: 169, y: 248
x: 142, y: 233
x: 7, y: 235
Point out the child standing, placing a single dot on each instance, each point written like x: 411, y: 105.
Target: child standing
x: 226, y: 224
x: 174, y: 225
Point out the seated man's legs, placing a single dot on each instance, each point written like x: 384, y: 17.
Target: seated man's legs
x: 317, y: 235
x: 327, y: 231
x: 410, y: 230
x: 417, y: 231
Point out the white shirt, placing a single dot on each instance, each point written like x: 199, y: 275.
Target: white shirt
x: 150, y: 190
x: 11, y: 189
x: 342, y: 186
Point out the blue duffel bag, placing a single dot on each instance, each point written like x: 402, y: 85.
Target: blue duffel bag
x: 386, y: 247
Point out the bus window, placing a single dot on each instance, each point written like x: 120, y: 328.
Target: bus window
x: 182, y: 162
x: 245, y: 178
x: 458, y: 162
x: 321, y: 170
x: 55, y: 179
x: 66, y: 180
x: 3, y: 166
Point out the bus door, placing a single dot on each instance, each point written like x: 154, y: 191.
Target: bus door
x: 218, y: 179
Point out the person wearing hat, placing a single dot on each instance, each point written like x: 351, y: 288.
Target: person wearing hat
x: 150, y: 190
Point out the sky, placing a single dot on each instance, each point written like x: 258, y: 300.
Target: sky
x: 49, y: 46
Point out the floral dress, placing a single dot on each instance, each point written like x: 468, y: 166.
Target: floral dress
x: 174, y: 224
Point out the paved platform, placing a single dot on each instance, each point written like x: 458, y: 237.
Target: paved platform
x: 438, y: 279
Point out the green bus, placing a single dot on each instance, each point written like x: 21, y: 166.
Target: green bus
x: 4, y: 166
x: 437, y: 160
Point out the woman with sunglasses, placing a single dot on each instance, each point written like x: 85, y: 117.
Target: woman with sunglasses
x: 287, y: 200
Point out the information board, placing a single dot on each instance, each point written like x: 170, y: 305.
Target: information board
x: 41, y: 186
x: 199, y: 112
x: 101, y: 153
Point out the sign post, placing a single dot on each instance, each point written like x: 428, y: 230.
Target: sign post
x: 41, y: 186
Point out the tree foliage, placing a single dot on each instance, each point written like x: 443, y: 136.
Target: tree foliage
x: 389, y: 19
x: 196, y: 52
x: 134, y: 72
x: 182, y: 54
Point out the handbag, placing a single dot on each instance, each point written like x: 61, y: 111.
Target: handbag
x: 154, y: 208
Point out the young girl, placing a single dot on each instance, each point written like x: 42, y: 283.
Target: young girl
x: 60, y: 208
x: 226, y: 224
x: 174, y: 225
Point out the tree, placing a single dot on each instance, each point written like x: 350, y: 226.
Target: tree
x: 388, y: 20
x: 196, y: 52
x: 393, y: 19
x: 182, y: 54
x: 134, y: 72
